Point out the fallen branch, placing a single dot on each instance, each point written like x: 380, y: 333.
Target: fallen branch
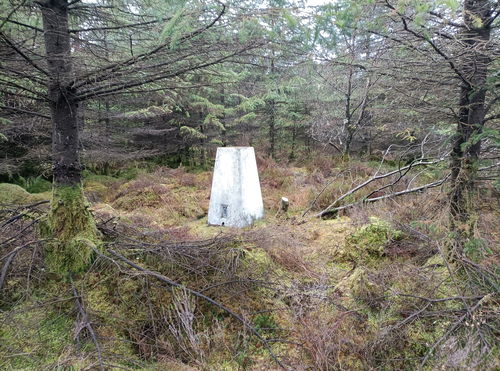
x: 5, y: 269
x: 433, y: 300
x: 391, y: 195
x: 9, y: 257
x: 404, y: 169
x: 489, y: 167
x: 84, y: 323
x: 19, y: 234
x: 204, y: 297
x: 16, y: 250
x: 21, y: 215
x: 407, y: 320
x: 449, y: 331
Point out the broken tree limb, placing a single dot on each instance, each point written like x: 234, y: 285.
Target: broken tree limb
x: 390, y: 195
x: 9, y: 257
x: 449, y: 331
x: 489, y: 167
x: 198, y: 294
x: 19, y: 234
x: 401, y: 175
x: 404, y: 169
x: 16, y: 250
x: 23, y: 214
x: 5, y: 269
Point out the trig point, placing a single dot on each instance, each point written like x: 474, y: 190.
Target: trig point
x: 235, y: 200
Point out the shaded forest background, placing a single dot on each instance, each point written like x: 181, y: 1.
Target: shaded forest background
x: 284, y: 78
x: 378, y: 119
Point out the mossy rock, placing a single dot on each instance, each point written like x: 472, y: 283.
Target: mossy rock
x: 14, y: 194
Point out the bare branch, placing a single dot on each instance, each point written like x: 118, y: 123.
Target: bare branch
x: 377, y: 177
x: 24, y: 56
x: 87, y: 324
x: 204, y: 297
x: 19, y: 110
x: 391, y: 195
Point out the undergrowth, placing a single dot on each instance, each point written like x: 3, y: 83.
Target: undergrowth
x: 370, y: 289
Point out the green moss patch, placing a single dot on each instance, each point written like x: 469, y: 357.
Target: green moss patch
x: 367, y: 243
x: 34, y: 338
x: 72, y: 230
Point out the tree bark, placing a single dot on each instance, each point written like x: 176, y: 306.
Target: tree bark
x: 272, y: 127
x: 271, y: 110
x: 70, y: 224
x: 63, y: 106
x: 467, y: 145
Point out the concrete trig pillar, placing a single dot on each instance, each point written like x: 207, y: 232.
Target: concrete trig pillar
x: 236, y: 199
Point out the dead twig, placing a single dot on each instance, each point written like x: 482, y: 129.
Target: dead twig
x: 387, y: 196
x: 403, y: 170
x: 431, y: 300
x: 17, y: 236
x: 449, y: 331
x: 84, y: 323
x: 9, y: 257
x: 198, y: 294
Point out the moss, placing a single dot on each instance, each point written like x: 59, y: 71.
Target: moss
x: 164, y: 204
x: 72, y: 230
x: 258, y: 260
x: 360, y: 287
x: 45, y: 335
x: 96, y: 190
x: 130, y: 173
x: 435, y: 261
x: 14, y: 194
x: 99, y: 186
x: 11, y: 193
x: 367, y: 243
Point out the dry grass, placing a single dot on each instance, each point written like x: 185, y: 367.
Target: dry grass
x: 285, y: 274
x: 333, y: 339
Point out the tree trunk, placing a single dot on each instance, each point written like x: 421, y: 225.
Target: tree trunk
x: 271, y: 109
x: 272, y: 128
x: 291, y: 157
x: 63, y: 107
x: 70, y: 223
x: 467, y: 144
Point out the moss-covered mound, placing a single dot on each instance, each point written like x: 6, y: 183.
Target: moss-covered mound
x: 366, y: 244
x: 14, y: 194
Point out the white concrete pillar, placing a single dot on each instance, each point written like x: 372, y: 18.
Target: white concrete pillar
x: 235, y: 199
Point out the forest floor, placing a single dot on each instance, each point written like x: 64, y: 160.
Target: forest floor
x: 367, y: 289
